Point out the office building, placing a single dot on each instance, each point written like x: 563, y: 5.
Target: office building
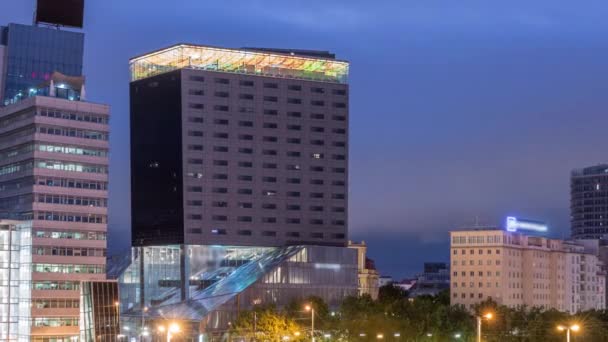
x: 239, y: 185
x: 368, y: 275
x: 518, y: 270
x: 239, y: 146
x: 432, y: 281
x: 29, y: 55
x: 15, y: 280
x: 589, y: 202
x: 99, y: 311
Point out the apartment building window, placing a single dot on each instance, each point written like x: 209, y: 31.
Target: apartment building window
x: 294, y: 114
x: 338, y: 196
x: 246, y: 96
x: 339, y: 131
x: 246, y: 110
x: 292, y: 207
x: 195, y: 161
x: 293, y: 140
x: 195, y: 217
x: 293, y: 180
x: 196, y: 105
x: 294, y: 127
x: 316, y: 235
x: 294, y: 101
x: 245, y: 137
x: 220, y: 162
x: 220, y: 176
x: 338, y: 157
x: 194, y: 203
x: 269, y: 139
x: 294, y: 87
x: 269, y: 179
x: 195, y: 133
x: 245, y: 192
x: 223, y: 122
x: 269, y: 166
x: 338, y: 209
x: 292, y: 220
x: 222, y: 94
x: 220, y: 218
x: 316, y: 208
x: 245, y: 205
x: 221, y: 108
x: 269, y: 233
x: 218, y: 231
x: 273, y: 112
x: 338, y: 170
x: 293, y: 194
x: 269, y: 152
x: 222, y: 80
x: 316, y: 222
x: 244, y: 219
x: 293, y: 154
x: 245, y: 164
x: 220, y: 204
x: 220, y: 135
x: 246, y: 83
x: 317, y: 129
x: 338, y: 118
x: 339, y: 105
x: 317, y: 168
x: 246, y: 123
x: 197, y: 78
x: 293, y: 234
x: 317, y: 142
x: 269, y: 85
x: 269, y: 219
x: 317, y: 182
x: 271, y: 125
x: 195, y: 119
x: 317, y: 103
x: 269, y: 193
x: 317, y: 90
x: 271, y: 99
x: 269, y: 206
x: 316, y: 195
x: 220, y: 148
x: 246, y: 150
x: 219, y: 190
x: 195, y: 189
x: 245, y: 178
x: 317, y: 116
x: 340, y: 92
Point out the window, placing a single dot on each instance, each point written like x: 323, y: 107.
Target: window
x: 269, y: 206
x: 294, y: 101
x: 269, y: 179
x: 244, y: 219
x: 218, y: 231
x: 195, y: 189
x: 317, y: 142
x: 293, y: 154
x: 195, y: 133
x: 220, y: 162
x: 293, y: 140
x: 219, y: 190
x: 339, y: 105
x: 316, y: 182
x: 316, y: 235
x: 195, y: 217
x: 246, y: 123
x: 338, y: 92
x: 220, y: 176
x: 222, y: 80
x: 195, y: 119
x: 317, y: 129
x: 197, y: 92
x: 220, y: 218
x: 245, y: 137
x: 271, y: 85
x: 269, y: 233
x: 292, y: 220
x: 246, y: 83
x: 294, y: 127
x: 223, y: 94
x: 339, y: 144
x: 293, y: 207
x: 317, y: 168
x: 317, y: 116
x: 246, y: 150
x: 271, y: 112
x: 270, y: 125
x: 195, y: 161
x: 316, y: 195
x: 195, y: 203
x: 269, y: 152
x: 293, y: 234
x: 220, y: 135
x: 271, y: 99
x: 220, y: 148
x: 339, y: 131
x: 294, y: 87
x: 269, y: 219
x: 338, y: 183
x: 317, y: 103
x: 294, y: 114
x: 338, y: 157
x: 269, y: 166
x: 245, y: 164
x: 220, y: 108
x: 245, y: 205
x: 246, y: 96
x: 246, y: 110
x: 220, y: 204
x: 269, y: 139
x: 339, y: 117
x: 196, y: 105
x: 245, y: 178
x: 293, y: 180
x: 223, y: 122
x: 197, y: 78
x: 316, y: 221
x: 293, y: 194
x: 317, y: 90
x: 337, y: 196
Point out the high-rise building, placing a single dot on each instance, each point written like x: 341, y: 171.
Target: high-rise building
x: 32, y: 54
x: 239, y: 146
x: 589, y: 202
x: 518, y: 270
x: 239, y: 185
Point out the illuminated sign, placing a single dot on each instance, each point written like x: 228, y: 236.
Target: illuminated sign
x: 514, y: 224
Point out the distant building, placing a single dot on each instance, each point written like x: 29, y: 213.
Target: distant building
x: 434, y: 279
x: 385, y: 280
x: 516, y: 270
x: 589, y: 202
x: 406, y: 284
x: 368, y: 275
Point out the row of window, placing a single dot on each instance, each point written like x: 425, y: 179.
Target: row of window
x: 480, y: 273
x: 72, y: 167
x: 479, y: 262
x: 70, y: 235
x: 72, y: 200
x: 71, y: 183
x: 472, y: 251
x: 269, y: 193
x: 73, y: 132
x: 70, y: 251
x: 56, y: 303
x: 266, y: 206
x: 68, y: 268
x: 56, y: 285
x: 248, y: 164
x: 267, y: 125
x: 267, y: 179
x: 24, y: 149
x: 55, y: 322
x: 472, y: 285
x: 270, y: 85
x: 456, y: 240
x: 62, y: 114
x: 273, y: 99
x: 70, y: 217
x: 249, y: 219
x: 53, y: 338
x: 268, y: 139
x: 270, y: 233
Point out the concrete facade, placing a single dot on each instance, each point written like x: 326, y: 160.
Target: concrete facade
x: 54, y: 173
x: 519, y: 270
x: 368, y: 276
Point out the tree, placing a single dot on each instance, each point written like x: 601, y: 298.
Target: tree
x: 266, y: 324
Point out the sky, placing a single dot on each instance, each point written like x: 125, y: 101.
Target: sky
x: 461, y: 111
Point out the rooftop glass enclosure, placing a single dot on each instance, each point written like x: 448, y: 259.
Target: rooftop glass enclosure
x: 220, y: 280
x: 238, y: 61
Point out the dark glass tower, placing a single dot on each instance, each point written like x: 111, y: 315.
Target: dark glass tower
x: 589, y: 202
x: 32, y: 54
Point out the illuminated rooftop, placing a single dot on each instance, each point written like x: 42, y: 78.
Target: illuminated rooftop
x: 262, y: 62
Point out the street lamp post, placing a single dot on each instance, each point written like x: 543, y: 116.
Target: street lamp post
x: 487, y: 316
x: 312, y: 327
x: 574, y: 327
x: 173, y: 328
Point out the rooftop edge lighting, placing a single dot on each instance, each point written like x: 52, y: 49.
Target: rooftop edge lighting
x: 514, y: 224
x: 261, y: 63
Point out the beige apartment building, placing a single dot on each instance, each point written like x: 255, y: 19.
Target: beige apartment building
x: 367, y: 273
x: 520, y: 270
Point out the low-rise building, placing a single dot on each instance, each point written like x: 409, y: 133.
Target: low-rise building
x: 434, y: 280
x: 368, y: 275
x: 521, y: 270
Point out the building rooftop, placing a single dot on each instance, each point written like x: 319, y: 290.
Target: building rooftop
x: 600, y: 169
x: 283, y: 63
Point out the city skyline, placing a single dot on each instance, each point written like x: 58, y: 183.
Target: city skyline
x: 501, y: 143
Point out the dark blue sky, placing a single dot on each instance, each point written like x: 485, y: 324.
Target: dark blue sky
x: 458, y: 109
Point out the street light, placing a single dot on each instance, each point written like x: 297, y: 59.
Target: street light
x: 312, y: 324
x: 573, y: 327
x: 457, y: 336
x: 487, y: 316
x: 380, y: 336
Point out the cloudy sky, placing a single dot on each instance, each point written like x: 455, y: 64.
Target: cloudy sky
x: 460, y: 111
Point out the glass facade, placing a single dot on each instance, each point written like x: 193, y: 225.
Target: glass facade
x: 34, y: 53
x: 15, y: 279
x: 99, y: 311
x: 220, y: 280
